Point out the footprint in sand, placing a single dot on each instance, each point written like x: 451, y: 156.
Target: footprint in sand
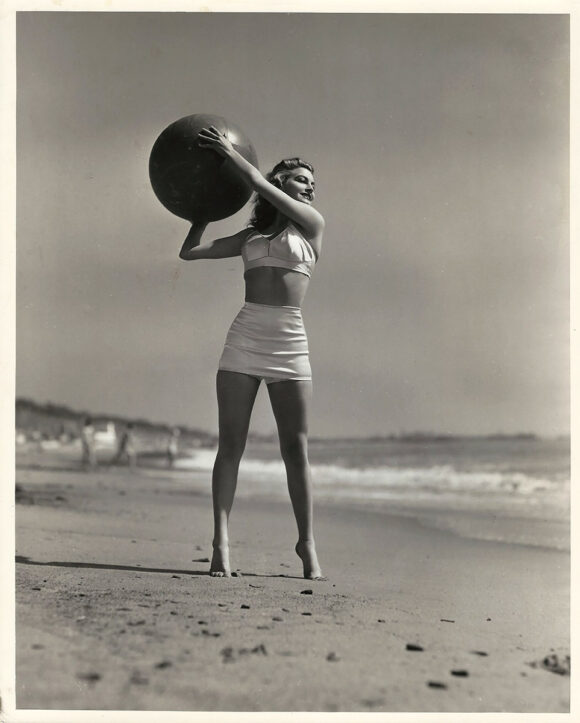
x: 138, y: 679
x: 229, y: 655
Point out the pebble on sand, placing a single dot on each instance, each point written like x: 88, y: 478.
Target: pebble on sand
x: 332, y: 658
x: 460, y: 673
x: 436, y: 684
x: 308, y: 591
x: 89, y: 677
x: 245, y: 607
x: 412, y: 646
x: 163, y: 664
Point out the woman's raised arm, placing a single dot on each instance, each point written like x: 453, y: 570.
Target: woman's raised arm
x: 219, y: 248
x: 308, y: 218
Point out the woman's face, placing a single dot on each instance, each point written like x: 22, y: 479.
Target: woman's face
x: 299, y: 185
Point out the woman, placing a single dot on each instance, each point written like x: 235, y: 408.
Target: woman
x: 267, y: 339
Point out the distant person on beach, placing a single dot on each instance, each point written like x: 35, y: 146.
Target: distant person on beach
x: 89, y: 459
x: 267, y: 340
x: 173, y: 446
x: 127, y: 450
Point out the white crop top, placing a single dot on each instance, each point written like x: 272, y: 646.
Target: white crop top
x: 287, y: 250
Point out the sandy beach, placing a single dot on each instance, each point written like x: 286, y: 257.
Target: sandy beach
x: 115, y: 609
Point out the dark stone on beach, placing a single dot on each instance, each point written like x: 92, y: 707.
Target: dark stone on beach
x: 436, y: 684
x: 306, y: 592
x: 89, y: 677
x: 480, y: 652
x: 460, y: 673
x: 306, y: 613
x: 285, y: 610
x: 163, y: 664
x: 245, y: 607
x: 37, y: 588
x: 237, y: 574
x: 488, y: 620
x: 277, y: 619
x: 412, y: 646
x: 380, y: 620
x: 444, y: 620
x: 177, y: 577
x: 553, y: 664
x: 332, y: 658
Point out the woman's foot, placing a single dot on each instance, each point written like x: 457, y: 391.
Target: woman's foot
x: 220, y: 561
x: 307, y: 553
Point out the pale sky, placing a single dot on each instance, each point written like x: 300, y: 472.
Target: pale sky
x: 440, y: 145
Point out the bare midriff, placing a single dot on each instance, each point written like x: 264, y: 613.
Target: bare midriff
x: 275, y: 287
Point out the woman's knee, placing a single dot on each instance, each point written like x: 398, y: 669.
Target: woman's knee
x: 294, y: 448
x: 231, y: 446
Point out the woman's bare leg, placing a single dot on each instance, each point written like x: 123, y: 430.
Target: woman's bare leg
x: 290, y: 401
x: 236, y: 394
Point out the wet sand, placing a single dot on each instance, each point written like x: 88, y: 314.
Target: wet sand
x: 115, y: 609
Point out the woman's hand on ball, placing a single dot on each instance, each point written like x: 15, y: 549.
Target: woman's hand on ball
x: 215, y: 140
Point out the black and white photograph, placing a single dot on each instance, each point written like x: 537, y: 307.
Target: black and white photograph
x: 289, y: 336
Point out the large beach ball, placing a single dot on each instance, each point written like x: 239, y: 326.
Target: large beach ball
x: 197, y: 183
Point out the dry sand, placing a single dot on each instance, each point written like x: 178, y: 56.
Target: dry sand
x: 115, y: 608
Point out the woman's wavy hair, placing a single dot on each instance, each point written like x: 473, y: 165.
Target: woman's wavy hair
x: 264, y: 213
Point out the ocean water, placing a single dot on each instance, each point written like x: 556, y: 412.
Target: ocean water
x: 506, y: 489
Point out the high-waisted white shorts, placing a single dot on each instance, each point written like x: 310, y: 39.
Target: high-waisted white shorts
x: 267, y: 342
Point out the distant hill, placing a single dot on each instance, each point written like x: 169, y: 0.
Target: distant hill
x: 52, y: 420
